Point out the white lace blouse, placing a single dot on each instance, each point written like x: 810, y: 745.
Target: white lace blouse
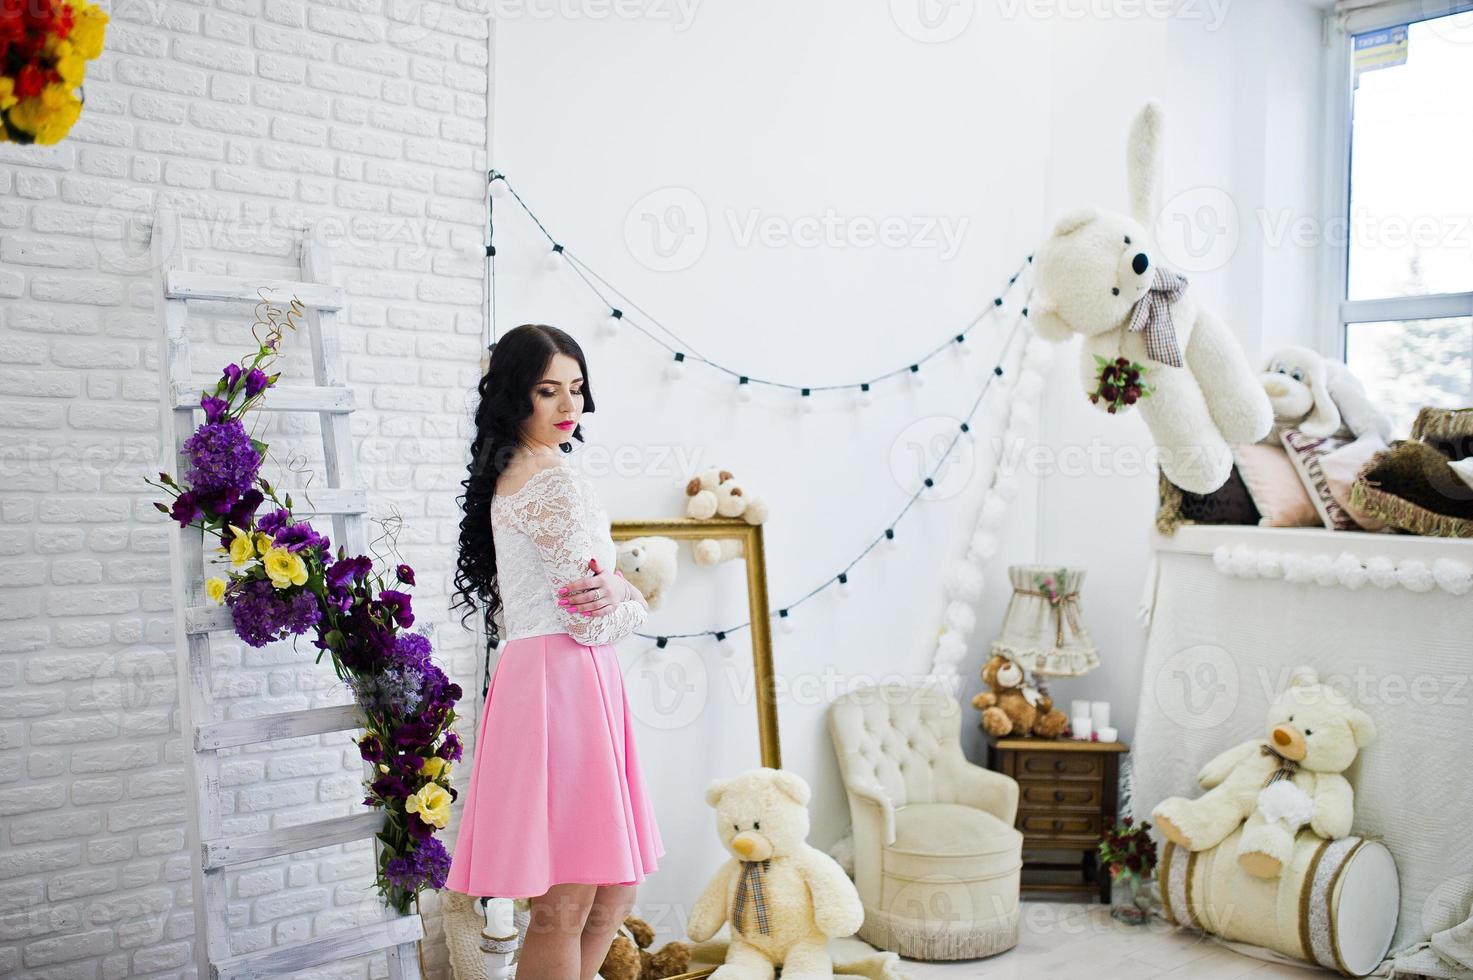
x: 545, y: 531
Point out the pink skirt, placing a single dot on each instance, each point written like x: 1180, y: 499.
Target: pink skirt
x: 555, y: 792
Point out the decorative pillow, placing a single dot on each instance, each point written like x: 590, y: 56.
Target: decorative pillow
x: 1305, y: 452
x: 1277, y: 491
x: 1412, y: 487
x: 1341, y: 467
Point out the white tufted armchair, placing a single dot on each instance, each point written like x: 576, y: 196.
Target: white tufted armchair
x: 936, y: 857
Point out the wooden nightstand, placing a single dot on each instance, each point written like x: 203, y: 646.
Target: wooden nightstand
x: 1067, y: 797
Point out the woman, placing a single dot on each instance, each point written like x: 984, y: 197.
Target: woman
x: 556, y: 808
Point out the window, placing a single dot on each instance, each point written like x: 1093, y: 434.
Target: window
x: 1405, y: 290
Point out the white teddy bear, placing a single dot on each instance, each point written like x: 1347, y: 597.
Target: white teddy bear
x: 714, y: 493
x: 783, y: 897
x: 1320, y: 397
x: 1146, y: 342
x: 650, y: 564
x: 1277, y: 784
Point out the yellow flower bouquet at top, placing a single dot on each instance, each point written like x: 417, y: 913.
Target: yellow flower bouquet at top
x: 44, y: 49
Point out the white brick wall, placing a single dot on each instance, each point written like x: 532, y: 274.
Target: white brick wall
x: 366, y: 120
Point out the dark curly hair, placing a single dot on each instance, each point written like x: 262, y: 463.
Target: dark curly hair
x: 518, y: 361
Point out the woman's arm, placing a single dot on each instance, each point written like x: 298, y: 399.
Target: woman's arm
x: 550, y: 513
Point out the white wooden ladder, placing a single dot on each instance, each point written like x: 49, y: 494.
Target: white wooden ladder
x: 195, y: 621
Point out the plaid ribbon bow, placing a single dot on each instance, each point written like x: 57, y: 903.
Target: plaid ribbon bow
x: 1287, y: 767
x: 1152, y: 313
x: 754, y: 874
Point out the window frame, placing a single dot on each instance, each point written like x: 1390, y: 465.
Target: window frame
x: 1339, y: 310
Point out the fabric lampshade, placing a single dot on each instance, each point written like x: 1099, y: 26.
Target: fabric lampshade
x: 1042, y: 630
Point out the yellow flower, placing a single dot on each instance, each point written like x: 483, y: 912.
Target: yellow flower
x: 49, y: 116
x: 215, y: 589
x: 435, y: 767
x: 87, y: 31
x: 7, y: 93
x: 240, y: 547
x: 285, y: 568
x: 432, y: 803
x: 263, y: 542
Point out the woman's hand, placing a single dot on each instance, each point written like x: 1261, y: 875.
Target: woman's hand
x: 597, y: 595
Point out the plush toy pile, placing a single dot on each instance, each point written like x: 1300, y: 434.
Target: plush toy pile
x: 630, y: 958
x: 717, y: 493
x: 1146, y: 342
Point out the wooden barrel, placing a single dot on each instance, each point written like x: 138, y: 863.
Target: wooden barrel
x: 1335, y: 903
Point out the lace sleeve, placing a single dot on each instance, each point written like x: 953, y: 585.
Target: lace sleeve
x: 552, y: 515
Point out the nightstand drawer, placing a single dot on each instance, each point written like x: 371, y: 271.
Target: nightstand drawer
x: 1059, y: 794
x: 1060, y: 765
x: 1059, y: 823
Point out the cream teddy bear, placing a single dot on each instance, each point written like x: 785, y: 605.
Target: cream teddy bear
x: 1320, y: 397
x: 1278, y: 784
x: 649, y: 563
x: 714, y: 493
x: 783, y: 897
x: 1097, y: 276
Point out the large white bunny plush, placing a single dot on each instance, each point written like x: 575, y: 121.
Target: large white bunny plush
x: 1320, y: 397
x: 1098, y: 276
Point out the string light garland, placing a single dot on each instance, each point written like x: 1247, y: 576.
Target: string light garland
x: 559, y: 256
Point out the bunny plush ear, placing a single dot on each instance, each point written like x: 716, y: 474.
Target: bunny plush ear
x: 1143, y: 151
x: 1324, y: 417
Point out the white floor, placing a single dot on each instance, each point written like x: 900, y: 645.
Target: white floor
x: 1081, y: 942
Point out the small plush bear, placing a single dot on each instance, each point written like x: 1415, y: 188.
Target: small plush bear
x: 716, y: 493
x: 1013, y: 707
x: 629, y: 956
x: 1146, y: 342
x: 783, y: 897
x: 1291, y: 777
x: 649, y: 563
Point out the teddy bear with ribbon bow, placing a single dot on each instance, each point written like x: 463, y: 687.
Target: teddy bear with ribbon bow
x: 1147, y: 343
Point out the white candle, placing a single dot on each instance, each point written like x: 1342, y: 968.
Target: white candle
x: 1081, y: 728
x: 1099, y: 714
x: 1107, y: 734
x: 1078, y: 709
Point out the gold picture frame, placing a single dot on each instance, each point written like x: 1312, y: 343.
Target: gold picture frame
x: 753, y: 553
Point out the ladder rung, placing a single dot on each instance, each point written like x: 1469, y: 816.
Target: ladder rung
x: 282, y: 399
x: 179, y: 284
x: 269, y: 728
x: 207, y: 619
x: 225, y: 852
x: 324, y: 949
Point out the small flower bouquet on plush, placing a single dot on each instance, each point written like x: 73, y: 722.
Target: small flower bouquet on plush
x: 284, y: 581
x: 1129, y: 853
x: 44, y: 49
x: 1119, y: 383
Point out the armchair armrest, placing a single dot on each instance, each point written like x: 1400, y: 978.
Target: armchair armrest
x: 986, y: 789
x: 873, y: 794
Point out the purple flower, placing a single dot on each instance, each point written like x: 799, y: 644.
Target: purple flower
x: 186, y: 509
x: 371, y: 748
x: 232, y: 376
x: 296, y: 537
x: 255, y: 381
x: 344, y: 570
x: 274, y: 521
x: 215, y: 408
x: 450, y: 748
x: 388, y: 786
x: 424, y: 867
x: 418, y: 829
x: 412, y: 648
x: 397, y: 605
x: 224, y: 463
x: 243, y: 511
x: 405, y: 574
x: 262, y: 615
x: 414, y: 735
